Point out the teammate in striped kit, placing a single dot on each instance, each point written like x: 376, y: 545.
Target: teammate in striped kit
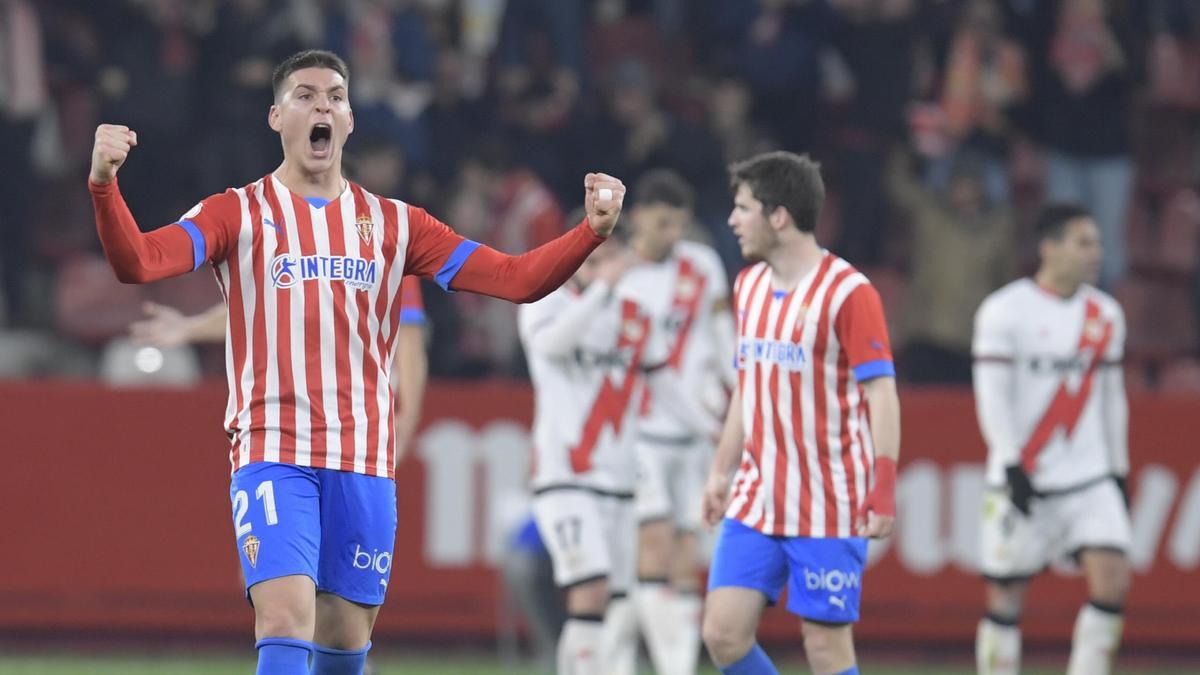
x: 1050, y: 395
x: 310, y: 267
x: 812, y: 437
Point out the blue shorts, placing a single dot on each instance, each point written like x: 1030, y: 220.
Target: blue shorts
x: 824, y: 575
x: 336, y: 527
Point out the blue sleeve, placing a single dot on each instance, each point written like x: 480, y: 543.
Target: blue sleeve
x: 199, y: 246
x: 454, y: 263
x: 412, y: 316
x: 873, y: 369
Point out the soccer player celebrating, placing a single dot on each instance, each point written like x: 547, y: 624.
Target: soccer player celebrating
x: 691, y: 293
x: 1050, y: 396
x: 310, y: 266
x: 805, y: 470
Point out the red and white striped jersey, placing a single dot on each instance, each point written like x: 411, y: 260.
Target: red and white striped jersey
x: 802, y: 356
x: 314, y: 305
x: 1049, y: 389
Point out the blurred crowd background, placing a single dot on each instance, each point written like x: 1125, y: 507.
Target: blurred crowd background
x: 942, y: 125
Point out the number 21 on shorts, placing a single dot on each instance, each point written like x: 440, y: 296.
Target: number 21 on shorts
x: 241, y: 503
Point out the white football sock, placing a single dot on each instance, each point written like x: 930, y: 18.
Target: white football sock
x: 619, y: 642
x: 579, y: 646
x: 670, y: 621
x: 997, y: 648
x: 658, y: 621
x: 688, y: 608
x: 1094, y: 645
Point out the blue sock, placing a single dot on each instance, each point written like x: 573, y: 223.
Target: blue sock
x: 283, y: 656
x: 755, y: 662
x: 330, y: 661
x: 853, y: 670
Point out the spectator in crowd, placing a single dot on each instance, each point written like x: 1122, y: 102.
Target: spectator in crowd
x: 638, y: 133
x: 776, y: 46
x: 236, y: 59
x: 22, y: 100
x: 985, y: 79
x: 391, y: 57
x: 963, y: 248
x: 729, y: 102
x: 509, y: 207
x: 539, y: 61
x: 1082, y: 103
x: 878, y: 41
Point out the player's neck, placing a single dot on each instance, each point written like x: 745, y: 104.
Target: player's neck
x: 794, y: 257
x: 1055, y: 285
x: 324, y: 184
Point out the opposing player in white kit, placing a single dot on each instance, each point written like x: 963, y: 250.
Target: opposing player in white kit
x: 1051, y: 402
x: 592, y: 349
x: 691, y: 295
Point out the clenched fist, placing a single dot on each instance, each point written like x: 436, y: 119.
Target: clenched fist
x: 602, y: 196
x: 113, y: 143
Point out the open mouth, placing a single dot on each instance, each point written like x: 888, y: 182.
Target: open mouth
x: 320, y: 137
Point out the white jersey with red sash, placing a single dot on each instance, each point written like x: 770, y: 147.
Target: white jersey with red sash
x: 1058, y: 350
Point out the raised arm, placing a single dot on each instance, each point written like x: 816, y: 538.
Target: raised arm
x: 463, y: 265
x: 139, y: 258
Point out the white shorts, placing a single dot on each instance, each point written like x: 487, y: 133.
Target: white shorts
x: 589, y: 535
x: 671, y: 482
x: 1016, y: 546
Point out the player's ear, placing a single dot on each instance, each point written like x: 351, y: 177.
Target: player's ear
x: 779, y: 218
x: 273, y: 115
x: 350, y: 129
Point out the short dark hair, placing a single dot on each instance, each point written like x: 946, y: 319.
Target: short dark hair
x: 1052, y: 220
x: 783, y: 179
x: 664, y: 186
x: 309, y: 58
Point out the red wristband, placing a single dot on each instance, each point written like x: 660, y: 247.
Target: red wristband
x: 883, y: 492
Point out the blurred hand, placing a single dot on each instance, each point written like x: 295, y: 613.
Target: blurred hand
x: 163, y: 327
x: 716, y: 497
x: 112, y: 146
x: 875, y: 525
x: 612, y: 268
x: 602, y: 213
x: 1020, y: 488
